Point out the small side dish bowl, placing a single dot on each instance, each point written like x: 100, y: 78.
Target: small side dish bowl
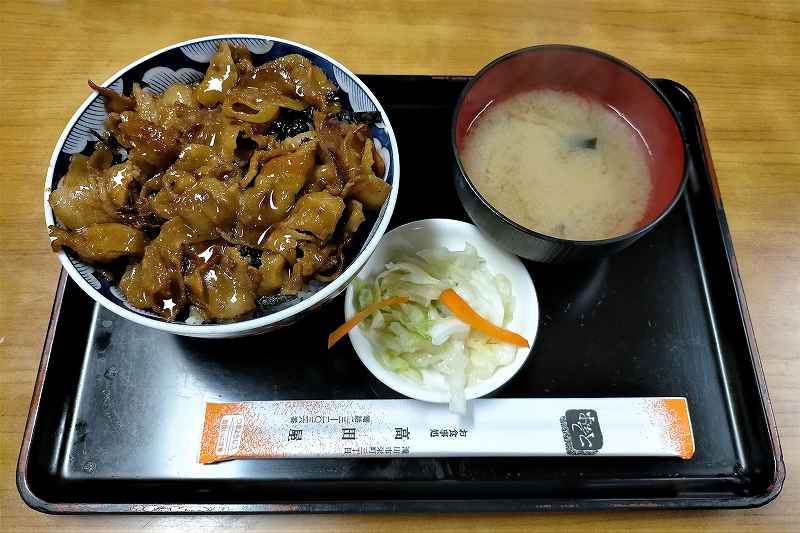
x: 595, y: 76
x: 185, y: 62
x: 453, y: 235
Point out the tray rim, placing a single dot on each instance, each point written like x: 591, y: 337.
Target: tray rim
x: 426, y: 505
x: 779, y: 470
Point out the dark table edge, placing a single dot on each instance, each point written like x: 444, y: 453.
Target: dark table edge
x: 779, y: 472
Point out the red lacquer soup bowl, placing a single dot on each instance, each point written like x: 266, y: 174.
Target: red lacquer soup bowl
x: 592, y: 75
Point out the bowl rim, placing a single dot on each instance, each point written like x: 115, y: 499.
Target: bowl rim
x: 253, y: 324
x: 410, y: 389
x: 632, y: 235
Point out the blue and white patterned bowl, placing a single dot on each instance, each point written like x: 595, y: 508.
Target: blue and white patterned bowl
x: 186, y: 62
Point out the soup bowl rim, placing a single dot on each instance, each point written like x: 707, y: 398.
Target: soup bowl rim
x: 631, y: 235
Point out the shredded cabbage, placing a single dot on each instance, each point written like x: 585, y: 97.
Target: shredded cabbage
x: 421, y: 338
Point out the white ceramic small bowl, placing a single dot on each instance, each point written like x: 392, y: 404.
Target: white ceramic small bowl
x: 453, y: 235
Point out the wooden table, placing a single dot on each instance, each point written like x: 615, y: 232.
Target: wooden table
x: 739, y: 57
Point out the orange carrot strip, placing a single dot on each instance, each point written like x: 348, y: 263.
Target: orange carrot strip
x: 342, y: 330
x: 461, y: 309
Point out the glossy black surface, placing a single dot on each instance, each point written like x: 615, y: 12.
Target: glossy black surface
x: 117, y: 414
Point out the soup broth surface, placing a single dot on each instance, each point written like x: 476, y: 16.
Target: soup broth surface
x: 560, y: 164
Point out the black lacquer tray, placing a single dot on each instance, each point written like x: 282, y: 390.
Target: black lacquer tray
x: 108, y: 430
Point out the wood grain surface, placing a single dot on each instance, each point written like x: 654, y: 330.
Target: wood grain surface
x: 740, y: 58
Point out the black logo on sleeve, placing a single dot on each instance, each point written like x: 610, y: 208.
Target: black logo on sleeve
x: 581, y: 430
